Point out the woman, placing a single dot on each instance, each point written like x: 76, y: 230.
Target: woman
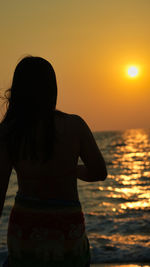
x: 46, y: 224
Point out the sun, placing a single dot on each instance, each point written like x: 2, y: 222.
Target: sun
x: 133, y: 71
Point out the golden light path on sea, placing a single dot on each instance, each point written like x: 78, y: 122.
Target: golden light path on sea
x: 132, y: 157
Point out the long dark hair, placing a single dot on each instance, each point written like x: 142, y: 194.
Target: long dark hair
x: 31, y: 98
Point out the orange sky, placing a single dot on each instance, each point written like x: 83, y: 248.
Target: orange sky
x: 89, y: 43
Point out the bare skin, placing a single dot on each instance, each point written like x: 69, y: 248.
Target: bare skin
x: 57, y: 178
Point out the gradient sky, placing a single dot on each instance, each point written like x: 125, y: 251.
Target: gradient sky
x: 90, y: 43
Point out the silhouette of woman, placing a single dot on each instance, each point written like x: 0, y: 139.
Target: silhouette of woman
x: 46, y: 225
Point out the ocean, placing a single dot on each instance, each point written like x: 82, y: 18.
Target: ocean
x: 117, y: 210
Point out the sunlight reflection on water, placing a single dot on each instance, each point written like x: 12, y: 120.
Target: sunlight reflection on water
x: 121, y: 204
x: 131, y: 159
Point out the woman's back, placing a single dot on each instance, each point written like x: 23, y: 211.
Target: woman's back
x: 57, y: 178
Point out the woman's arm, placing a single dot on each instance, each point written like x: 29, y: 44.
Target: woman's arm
x: 5, y: 172
x: 84, y: 175
x: 94, y: 168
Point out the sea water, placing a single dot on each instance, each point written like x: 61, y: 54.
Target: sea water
x: 117, y: 210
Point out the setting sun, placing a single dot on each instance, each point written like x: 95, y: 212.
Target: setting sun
x: 133, y: 71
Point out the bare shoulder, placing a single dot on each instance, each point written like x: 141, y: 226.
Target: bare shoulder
x: 72, y: 120
x: 80, y: 124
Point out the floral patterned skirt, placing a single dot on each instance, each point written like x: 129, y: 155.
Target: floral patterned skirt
x: 47, y: 234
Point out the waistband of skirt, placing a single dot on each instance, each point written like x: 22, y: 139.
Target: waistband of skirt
x: 46, y: 203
